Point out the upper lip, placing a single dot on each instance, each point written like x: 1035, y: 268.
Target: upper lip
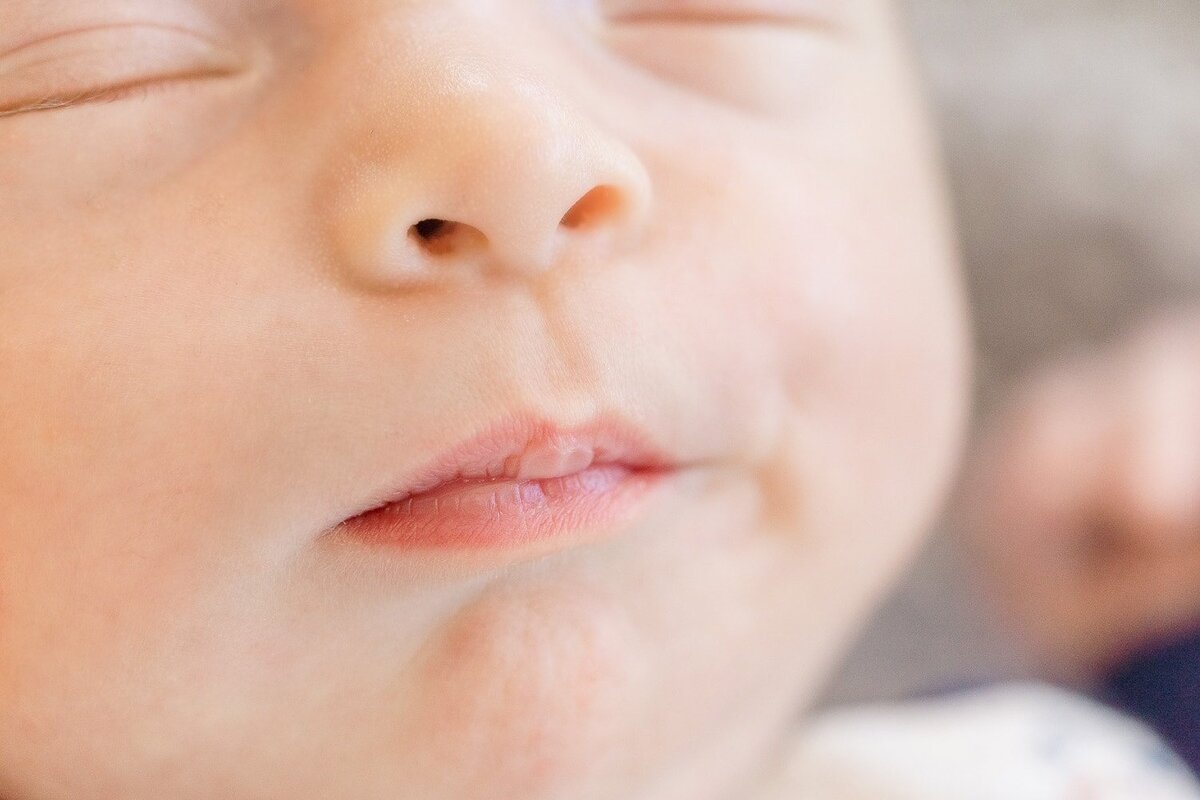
x: 531, y: 447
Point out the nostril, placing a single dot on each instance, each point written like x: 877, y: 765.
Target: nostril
x: 442, y: 237
x: 428, y: 229
x: 599, y: 204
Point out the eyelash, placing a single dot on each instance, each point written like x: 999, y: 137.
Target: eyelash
x: 139, y: 90
x: 734, y: 13
x: 731, y: 19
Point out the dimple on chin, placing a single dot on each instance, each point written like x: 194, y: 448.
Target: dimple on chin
x: 528, y: 691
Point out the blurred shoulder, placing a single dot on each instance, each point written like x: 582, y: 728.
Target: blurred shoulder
x: 1025, y: 742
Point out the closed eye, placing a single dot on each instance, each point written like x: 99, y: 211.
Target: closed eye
x: 110, y: 94
x: 775, y: 13
x: 106, y: 64
x: 769, y: 57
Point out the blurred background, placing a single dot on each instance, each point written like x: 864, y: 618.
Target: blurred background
x: 1072, y: 134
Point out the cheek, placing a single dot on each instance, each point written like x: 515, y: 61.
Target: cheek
x: 842, y: 328
x: 864, y: 309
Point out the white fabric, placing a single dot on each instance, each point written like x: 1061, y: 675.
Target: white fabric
x: 1018, y: 743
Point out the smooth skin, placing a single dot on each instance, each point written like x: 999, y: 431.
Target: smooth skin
x: 720, y: 219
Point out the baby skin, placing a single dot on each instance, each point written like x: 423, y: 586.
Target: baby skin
x: 480, y: 400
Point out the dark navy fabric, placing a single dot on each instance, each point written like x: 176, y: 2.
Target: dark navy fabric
x: 1161, y: 686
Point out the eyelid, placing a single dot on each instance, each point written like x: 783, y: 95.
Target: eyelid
x: 76, y: 66
x: 807, y: 14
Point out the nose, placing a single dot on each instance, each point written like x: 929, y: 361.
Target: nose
x: 470, y: 170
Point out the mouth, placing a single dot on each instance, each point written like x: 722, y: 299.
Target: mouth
x: 521, y: 481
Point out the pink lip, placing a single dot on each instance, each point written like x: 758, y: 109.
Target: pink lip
x: 523, y: 480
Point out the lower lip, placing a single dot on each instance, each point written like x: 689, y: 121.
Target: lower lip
x: 478, y: 515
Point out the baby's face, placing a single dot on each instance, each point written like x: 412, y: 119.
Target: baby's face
x: 265, y: 266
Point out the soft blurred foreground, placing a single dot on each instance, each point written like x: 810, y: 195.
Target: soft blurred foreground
x: 1071, y: 131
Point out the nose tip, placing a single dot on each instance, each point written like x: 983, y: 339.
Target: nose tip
x: 504, y: 179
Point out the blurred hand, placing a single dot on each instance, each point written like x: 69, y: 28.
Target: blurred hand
x: 1084, y: 501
